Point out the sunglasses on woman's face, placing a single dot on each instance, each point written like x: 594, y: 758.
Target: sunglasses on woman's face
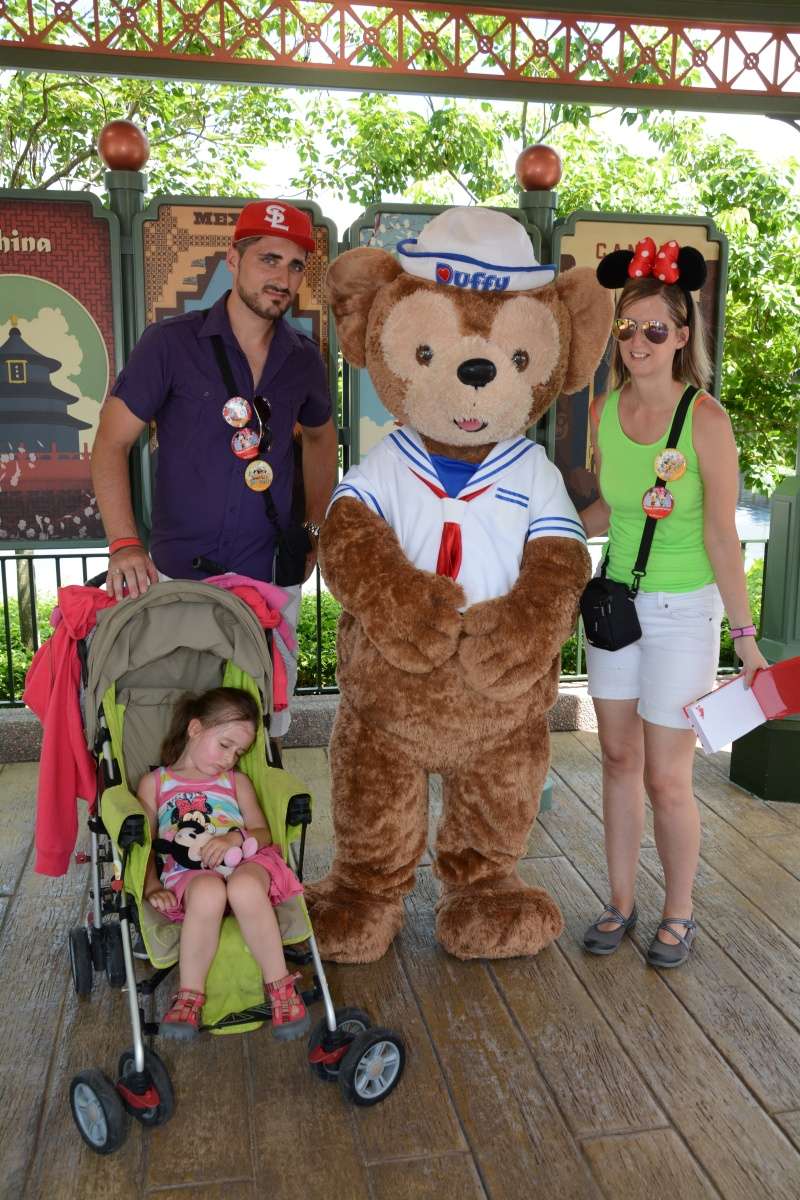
x: 624, y: 329
x: 248, y: 443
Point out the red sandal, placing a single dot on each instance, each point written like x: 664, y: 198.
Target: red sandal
x: 183, y: 1019
x: 289, y: 1016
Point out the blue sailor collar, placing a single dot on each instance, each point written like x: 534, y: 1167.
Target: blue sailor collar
x: 408, y: 443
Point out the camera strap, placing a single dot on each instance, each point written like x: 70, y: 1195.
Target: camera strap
x: 225, y: 370
x: 640, y: 566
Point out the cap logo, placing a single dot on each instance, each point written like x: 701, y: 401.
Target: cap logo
x: 275, y: 215
x: 479, y: 281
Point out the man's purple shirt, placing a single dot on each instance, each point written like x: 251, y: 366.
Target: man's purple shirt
x: 202, y: 505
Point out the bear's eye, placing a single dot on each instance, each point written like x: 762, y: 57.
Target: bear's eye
x: 520, y: 359
x: 424, y: 355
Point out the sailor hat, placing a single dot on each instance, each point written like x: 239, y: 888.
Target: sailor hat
x: 476, y: 248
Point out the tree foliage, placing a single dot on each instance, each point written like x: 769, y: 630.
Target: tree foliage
x: 202, y: 138
x: 216, y: 139
x: 757, y: 207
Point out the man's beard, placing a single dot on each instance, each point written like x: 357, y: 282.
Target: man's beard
x: 266, y: 307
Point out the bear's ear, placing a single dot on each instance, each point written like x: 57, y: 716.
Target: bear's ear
x: 351, y: 284
x: 591, y: 309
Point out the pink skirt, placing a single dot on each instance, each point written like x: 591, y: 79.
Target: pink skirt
x: 282, y: 882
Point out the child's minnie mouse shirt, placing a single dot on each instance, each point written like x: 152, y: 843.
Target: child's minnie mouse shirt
x: 190, y: 813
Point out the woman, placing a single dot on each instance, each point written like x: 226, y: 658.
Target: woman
x: 694, y: 569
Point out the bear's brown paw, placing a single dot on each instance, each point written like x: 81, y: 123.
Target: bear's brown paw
x: 352, y: 926
x: 506, y: 922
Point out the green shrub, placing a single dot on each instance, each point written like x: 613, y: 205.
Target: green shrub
x: 755, y: 582
x: 21, y: 654
x: 307, y: 640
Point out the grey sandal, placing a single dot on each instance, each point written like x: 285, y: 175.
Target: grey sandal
x: 664, y: 954
x: 606, y: 941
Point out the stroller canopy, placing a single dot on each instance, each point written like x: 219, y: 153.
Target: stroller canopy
x: 176, y: 638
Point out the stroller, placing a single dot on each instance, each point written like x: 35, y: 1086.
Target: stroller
x: 142, y: 656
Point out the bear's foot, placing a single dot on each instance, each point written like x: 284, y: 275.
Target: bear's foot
x: 352, y: 926
x: 504, y: 920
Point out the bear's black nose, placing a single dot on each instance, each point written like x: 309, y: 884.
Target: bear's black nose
x: 476, y: 372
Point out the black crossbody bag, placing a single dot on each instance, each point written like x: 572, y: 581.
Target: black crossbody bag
x: 293, y: 542
x: 608, y: 608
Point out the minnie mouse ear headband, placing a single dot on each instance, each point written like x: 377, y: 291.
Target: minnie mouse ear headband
x: 670, y: 264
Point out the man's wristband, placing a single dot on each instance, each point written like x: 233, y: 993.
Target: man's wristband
x: 122, y: 543
x: 743, y: 631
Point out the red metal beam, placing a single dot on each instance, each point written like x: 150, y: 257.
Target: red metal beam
x: 384, y: 43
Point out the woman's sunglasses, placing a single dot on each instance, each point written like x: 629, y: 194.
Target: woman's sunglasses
x: 624, y: 329
x: 246, y: 442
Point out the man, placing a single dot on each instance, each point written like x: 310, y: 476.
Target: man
x: 209, y: 496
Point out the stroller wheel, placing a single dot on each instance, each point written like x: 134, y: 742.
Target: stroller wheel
x: 98, y: 1112
x: 114, y: 956
x: 160, y: 1113
x: 372, y: 1067
x: 348, y: 1020
x: 80, y: 961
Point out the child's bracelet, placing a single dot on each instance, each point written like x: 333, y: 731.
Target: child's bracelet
x: 743, y: 631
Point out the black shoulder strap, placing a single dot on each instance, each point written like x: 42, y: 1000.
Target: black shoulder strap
x: 223, y: 362
x: 640, y: 566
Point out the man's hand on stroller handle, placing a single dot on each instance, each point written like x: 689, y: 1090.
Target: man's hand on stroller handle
x: 131, y: 567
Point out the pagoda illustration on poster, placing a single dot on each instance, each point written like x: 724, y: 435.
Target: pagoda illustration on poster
x: 45, y: 463
x: 33, y: 412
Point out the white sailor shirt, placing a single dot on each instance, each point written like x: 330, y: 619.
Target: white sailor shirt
x: 515, y: 495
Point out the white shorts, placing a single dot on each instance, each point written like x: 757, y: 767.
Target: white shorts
x: 674, y: 661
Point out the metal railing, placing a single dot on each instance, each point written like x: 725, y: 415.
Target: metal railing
x: 29, y: 582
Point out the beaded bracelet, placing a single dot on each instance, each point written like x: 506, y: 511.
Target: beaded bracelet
x: 122, y: 543
x: 744, y: 631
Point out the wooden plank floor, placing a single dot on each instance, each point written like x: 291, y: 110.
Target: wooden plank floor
x: 564, y: 1077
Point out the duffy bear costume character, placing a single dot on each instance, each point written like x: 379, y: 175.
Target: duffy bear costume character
x: 458, y: 559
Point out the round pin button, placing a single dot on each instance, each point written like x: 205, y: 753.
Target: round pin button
x: 658, y: 502
x: 669, y: 465
x: 237, y: 411
x: 245, y: 443
x: 258, y: 475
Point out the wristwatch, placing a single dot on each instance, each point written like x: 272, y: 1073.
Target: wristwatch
x: 311, y: 527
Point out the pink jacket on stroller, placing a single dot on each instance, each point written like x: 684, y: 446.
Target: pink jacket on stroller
x: 67, y: 769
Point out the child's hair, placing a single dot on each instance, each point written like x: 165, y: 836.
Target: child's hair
x: 216, y: 707
x: 691, y: 363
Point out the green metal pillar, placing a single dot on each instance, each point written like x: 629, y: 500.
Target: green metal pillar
x: 126, y: 190
x: 766, y: 760
x: 539, y: 206
x: 540, y: 209
x: 538, y: 170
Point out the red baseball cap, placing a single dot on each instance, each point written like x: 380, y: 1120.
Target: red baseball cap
x: 274, y: 218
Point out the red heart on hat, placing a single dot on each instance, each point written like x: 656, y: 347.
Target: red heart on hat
x: 443, y: 274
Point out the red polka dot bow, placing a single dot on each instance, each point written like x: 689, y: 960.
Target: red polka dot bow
x: 662, y: 263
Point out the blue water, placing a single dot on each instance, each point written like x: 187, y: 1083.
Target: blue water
x: 752, y: 516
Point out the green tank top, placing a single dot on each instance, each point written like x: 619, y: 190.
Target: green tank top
x: 678, y: 560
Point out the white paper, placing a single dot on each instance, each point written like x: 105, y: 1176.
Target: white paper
x: 724, y: 715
